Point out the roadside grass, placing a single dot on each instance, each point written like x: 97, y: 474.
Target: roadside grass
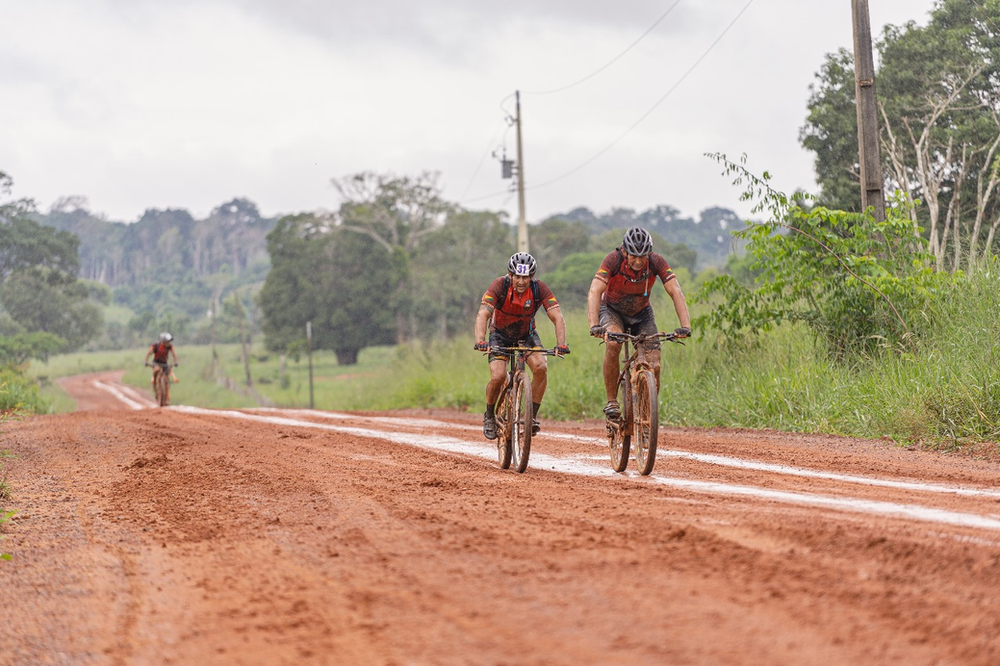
x: 15, y: 393
x: 946, y: 396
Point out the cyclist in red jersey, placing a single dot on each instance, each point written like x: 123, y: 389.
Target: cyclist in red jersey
x: 618, y: 302
x: 160, y: 351
x: 508, y: 312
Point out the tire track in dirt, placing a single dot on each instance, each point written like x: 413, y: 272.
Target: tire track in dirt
x: 252, y: 542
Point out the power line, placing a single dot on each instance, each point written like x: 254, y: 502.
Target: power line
x: 490, y: 148
x: 652, y: 108
x: 610, y: 62
x: 637, y: 122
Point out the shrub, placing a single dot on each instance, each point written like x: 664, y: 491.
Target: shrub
x: 860, y: 284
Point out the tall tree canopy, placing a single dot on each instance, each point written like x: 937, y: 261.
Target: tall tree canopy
x: 340, y: 281
x: 398, y: 213
x: 39, y: 289
x: 939, y: 100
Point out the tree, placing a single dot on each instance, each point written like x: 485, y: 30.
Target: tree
x: 341, y: 281
x: 39, y: 289
x: 939, y: 98
x: 398, y: 213
x: 831, y: 132
x: 40, y: 300
x: 862, y: 286
x: 555, y: 239
x: 452, y: 268
x: 570, y: 282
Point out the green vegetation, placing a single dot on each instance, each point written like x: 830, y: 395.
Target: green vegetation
x: 17, y: 395
x: 861, y: 285
x: 44, y: 307
x: 830, y: 322
x: 784, y: 379
x: 938, y: 91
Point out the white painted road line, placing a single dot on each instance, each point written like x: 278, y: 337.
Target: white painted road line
x: 725, y: 461
x: 582, y: 467
x: 118, y: 393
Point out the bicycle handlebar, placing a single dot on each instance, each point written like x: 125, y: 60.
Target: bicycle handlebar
x: 645, y: 337
x: 513, y: 350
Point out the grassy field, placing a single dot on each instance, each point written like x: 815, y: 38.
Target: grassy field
x: 946, y: 396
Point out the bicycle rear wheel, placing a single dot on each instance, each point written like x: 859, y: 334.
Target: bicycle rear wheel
x: 504, y: 413
x: 619, y: 436
x: 163, y: 389
x: 646, y: 421
x: 521, y: 431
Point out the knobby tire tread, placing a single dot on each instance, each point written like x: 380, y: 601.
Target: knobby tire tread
x: 521, y: 442
x: 619, y: 438
x: 503, y: 416
x: 647, y: 421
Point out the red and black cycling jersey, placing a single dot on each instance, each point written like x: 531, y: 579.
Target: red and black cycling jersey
x: 159, y: 351
x: 514, y: 313
x: 628, y: 290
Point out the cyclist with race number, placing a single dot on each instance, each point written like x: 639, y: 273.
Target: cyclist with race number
x: 507, y: 315
x: 160, y: 351
x: 618, y: 302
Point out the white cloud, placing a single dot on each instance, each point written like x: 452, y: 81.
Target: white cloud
x: 186, y: 104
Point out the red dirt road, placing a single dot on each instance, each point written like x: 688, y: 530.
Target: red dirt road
x: 187, y: 536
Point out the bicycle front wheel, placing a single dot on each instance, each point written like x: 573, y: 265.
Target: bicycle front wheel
x: 646, y: 421
x: 504, y: 416
x: 524, y: 415
x: 619, y: 436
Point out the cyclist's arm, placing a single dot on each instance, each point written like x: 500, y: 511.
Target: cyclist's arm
x: 148, y: 354
x: 597, y: 289
x: 174, y: 352
x: 482, y: 321
x: 680, y: 304
x: 555, y: 314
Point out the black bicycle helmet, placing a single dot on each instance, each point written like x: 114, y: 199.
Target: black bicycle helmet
x: 521, y: 263
x: 637, y: 242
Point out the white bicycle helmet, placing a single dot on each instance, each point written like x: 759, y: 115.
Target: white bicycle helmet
x: 166, y: 337
x: 521, y: 263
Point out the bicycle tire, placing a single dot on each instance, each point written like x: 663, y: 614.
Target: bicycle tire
x: 646, y: 421
x: 619, y: 437
x: 521, y: 431
x: 163, y: 386
x: 503, y: 416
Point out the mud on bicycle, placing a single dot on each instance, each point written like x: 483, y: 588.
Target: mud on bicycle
x: 161, y: 382
x: 638, y: 397
x: 514, y: 409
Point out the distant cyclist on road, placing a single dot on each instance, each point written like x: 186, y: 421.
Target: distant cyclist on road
x: 618, y: 302
x: 508, y: 312
x: 160, y: 352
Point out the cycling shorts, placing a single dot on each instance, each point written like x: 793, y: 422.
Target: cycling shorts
x: 499, y: 340
x: 642, y: 322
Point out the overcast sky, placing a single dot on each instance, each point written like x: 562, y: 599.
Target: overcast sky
x: 138, y: 104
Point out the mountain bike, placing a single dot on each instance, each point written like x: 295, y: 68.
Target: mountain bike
x: 638, y: 398
x: 161, y: 384
x: 514, y: 411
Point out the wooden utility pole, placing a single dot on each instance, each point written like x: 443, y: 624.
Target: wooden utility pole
x: 872, y: 194
x: 243, y: 337
x: 309, y: 351
x: 522, y: 224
